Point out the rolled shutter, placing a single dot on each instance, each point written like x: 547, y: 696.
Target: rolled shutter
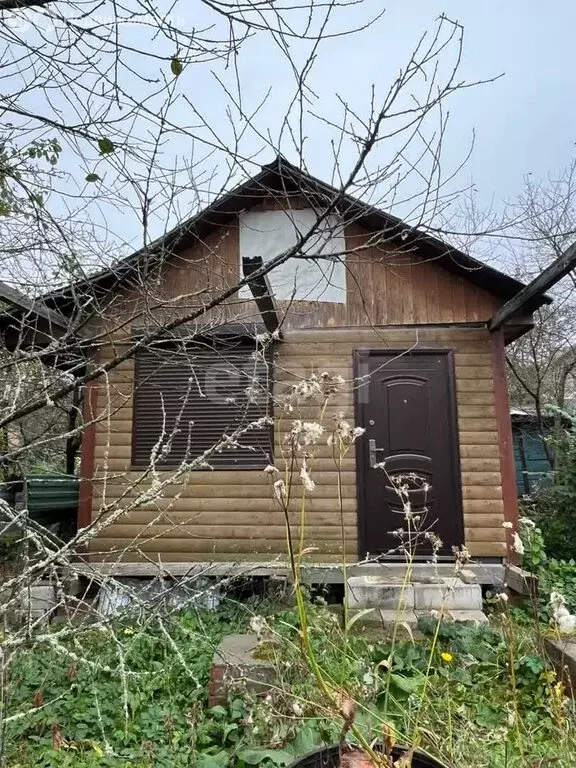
x: 186, y: 399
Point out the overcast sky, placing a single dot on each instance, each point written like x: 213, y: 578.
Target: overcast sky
x: 524, y: 123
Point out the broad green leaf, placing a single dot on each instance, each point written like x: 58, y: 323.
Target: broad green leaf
x: 257, y: 756
x: 307, y: 739
x: 105, y: 146
x: 218, y: 760
x: 407, y: 684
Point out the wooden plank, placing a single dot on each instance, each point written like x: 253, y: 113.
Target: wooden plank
x: 481, y: 478
x: 222, y: 476
x: 474, y: 385
x: 243, y: 506
x: 431, y: 296
x: 446, y: 301
x: 475, y: 398
x: 258, y: 519
x: 482, y: 492
x: 262, y: 293
x: 338, y: 352
x: 474, y: 359
x: 329, y: 355
x: 476, y: 425
x: 533, y: 293
x: 479, y: 451
x: 487, y: 549
x: 119, y: 564
x: 210, y: 547
x: 478, y: 438
x: 472, y: 371
x: 240, y: 491
x: 476, y: 411
x: 507, y: 467
x: 286, y: 371
x: 315, y: 571
x: 318, y: 466
x: 87, y: 456
x: 483, y: 520
x: 480, y: 465
x: 491, y: 535
x: 484, y: 506
x: 273, y: 533
x: 389, y: 333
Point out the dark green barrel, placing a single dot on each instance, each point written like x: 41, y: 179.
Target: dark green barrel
x: 51, y: 497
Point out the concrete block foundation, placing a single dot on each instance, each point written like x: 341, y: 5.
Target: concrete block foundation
x: 236, y: 663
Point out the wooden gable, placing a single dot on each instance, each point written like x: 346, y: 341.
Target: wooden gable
x: 385, y: 285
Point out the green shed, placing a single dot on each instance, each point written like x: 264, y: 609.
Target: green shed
x: 533, y: 467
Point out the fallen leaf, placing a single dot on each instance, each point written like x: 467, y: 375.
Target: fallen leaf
x: 38, y: 698
x: 57, y: 741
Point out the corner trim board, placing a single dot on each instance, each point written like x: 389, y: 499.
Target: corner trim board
x: 87, y: 455
x: 505, y: 443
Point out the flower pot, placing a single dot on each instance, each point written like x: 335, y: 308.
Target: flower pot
x: 329, y: 757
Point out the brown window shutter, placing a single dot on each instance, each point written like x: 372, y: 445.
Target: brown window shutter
x: 187, y: 397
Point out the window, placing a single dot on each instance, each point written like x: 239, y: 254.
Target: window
x: 267, y: 233
x: 187, y: 397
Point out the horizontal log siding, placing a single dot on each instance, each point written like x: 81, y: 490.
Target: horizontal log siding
x: 230, y: 515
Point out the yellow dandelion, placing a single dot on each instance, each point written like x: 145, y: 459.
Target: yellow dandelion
x: 447, y: 657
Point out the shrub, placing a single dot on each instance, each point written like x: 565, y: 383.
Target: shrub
x: 554, y: 574
x: 554, y: 512
x: 553, y: 509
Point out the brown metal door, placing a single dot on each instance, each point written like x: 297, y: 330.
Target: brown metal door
x: 406, y: 402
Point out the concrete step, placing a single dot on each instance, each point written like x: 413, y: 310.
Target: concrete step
x: 444, y: 594
x: 406, y: 622
x: 449, y: 596
x: 372, y: 592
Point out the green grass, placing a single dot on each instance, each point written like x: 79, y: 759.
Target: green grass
x: 135, y: 695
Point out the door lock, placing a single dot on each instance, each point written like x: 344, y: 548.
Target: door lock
x: 373, y: 452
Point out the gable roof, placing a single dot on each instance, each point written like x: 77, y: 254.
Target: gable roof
x: 284, y: 179
x: 15, y: 305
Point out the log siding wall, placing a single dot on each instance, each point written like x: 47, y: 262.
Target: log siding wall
x: 231, y: 515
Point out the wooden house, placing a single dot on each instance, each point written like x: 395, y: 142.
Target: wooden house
x: 406, y: 321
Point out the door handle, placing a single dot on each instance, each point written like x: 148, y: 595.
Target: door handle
x: 373, y: 452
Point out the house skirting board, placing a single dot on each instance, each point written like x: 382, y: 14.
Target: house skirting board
x: 487, y: 572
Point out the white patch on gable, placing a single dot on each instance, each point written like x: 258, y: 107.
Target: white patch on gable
x: 268, y: 233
